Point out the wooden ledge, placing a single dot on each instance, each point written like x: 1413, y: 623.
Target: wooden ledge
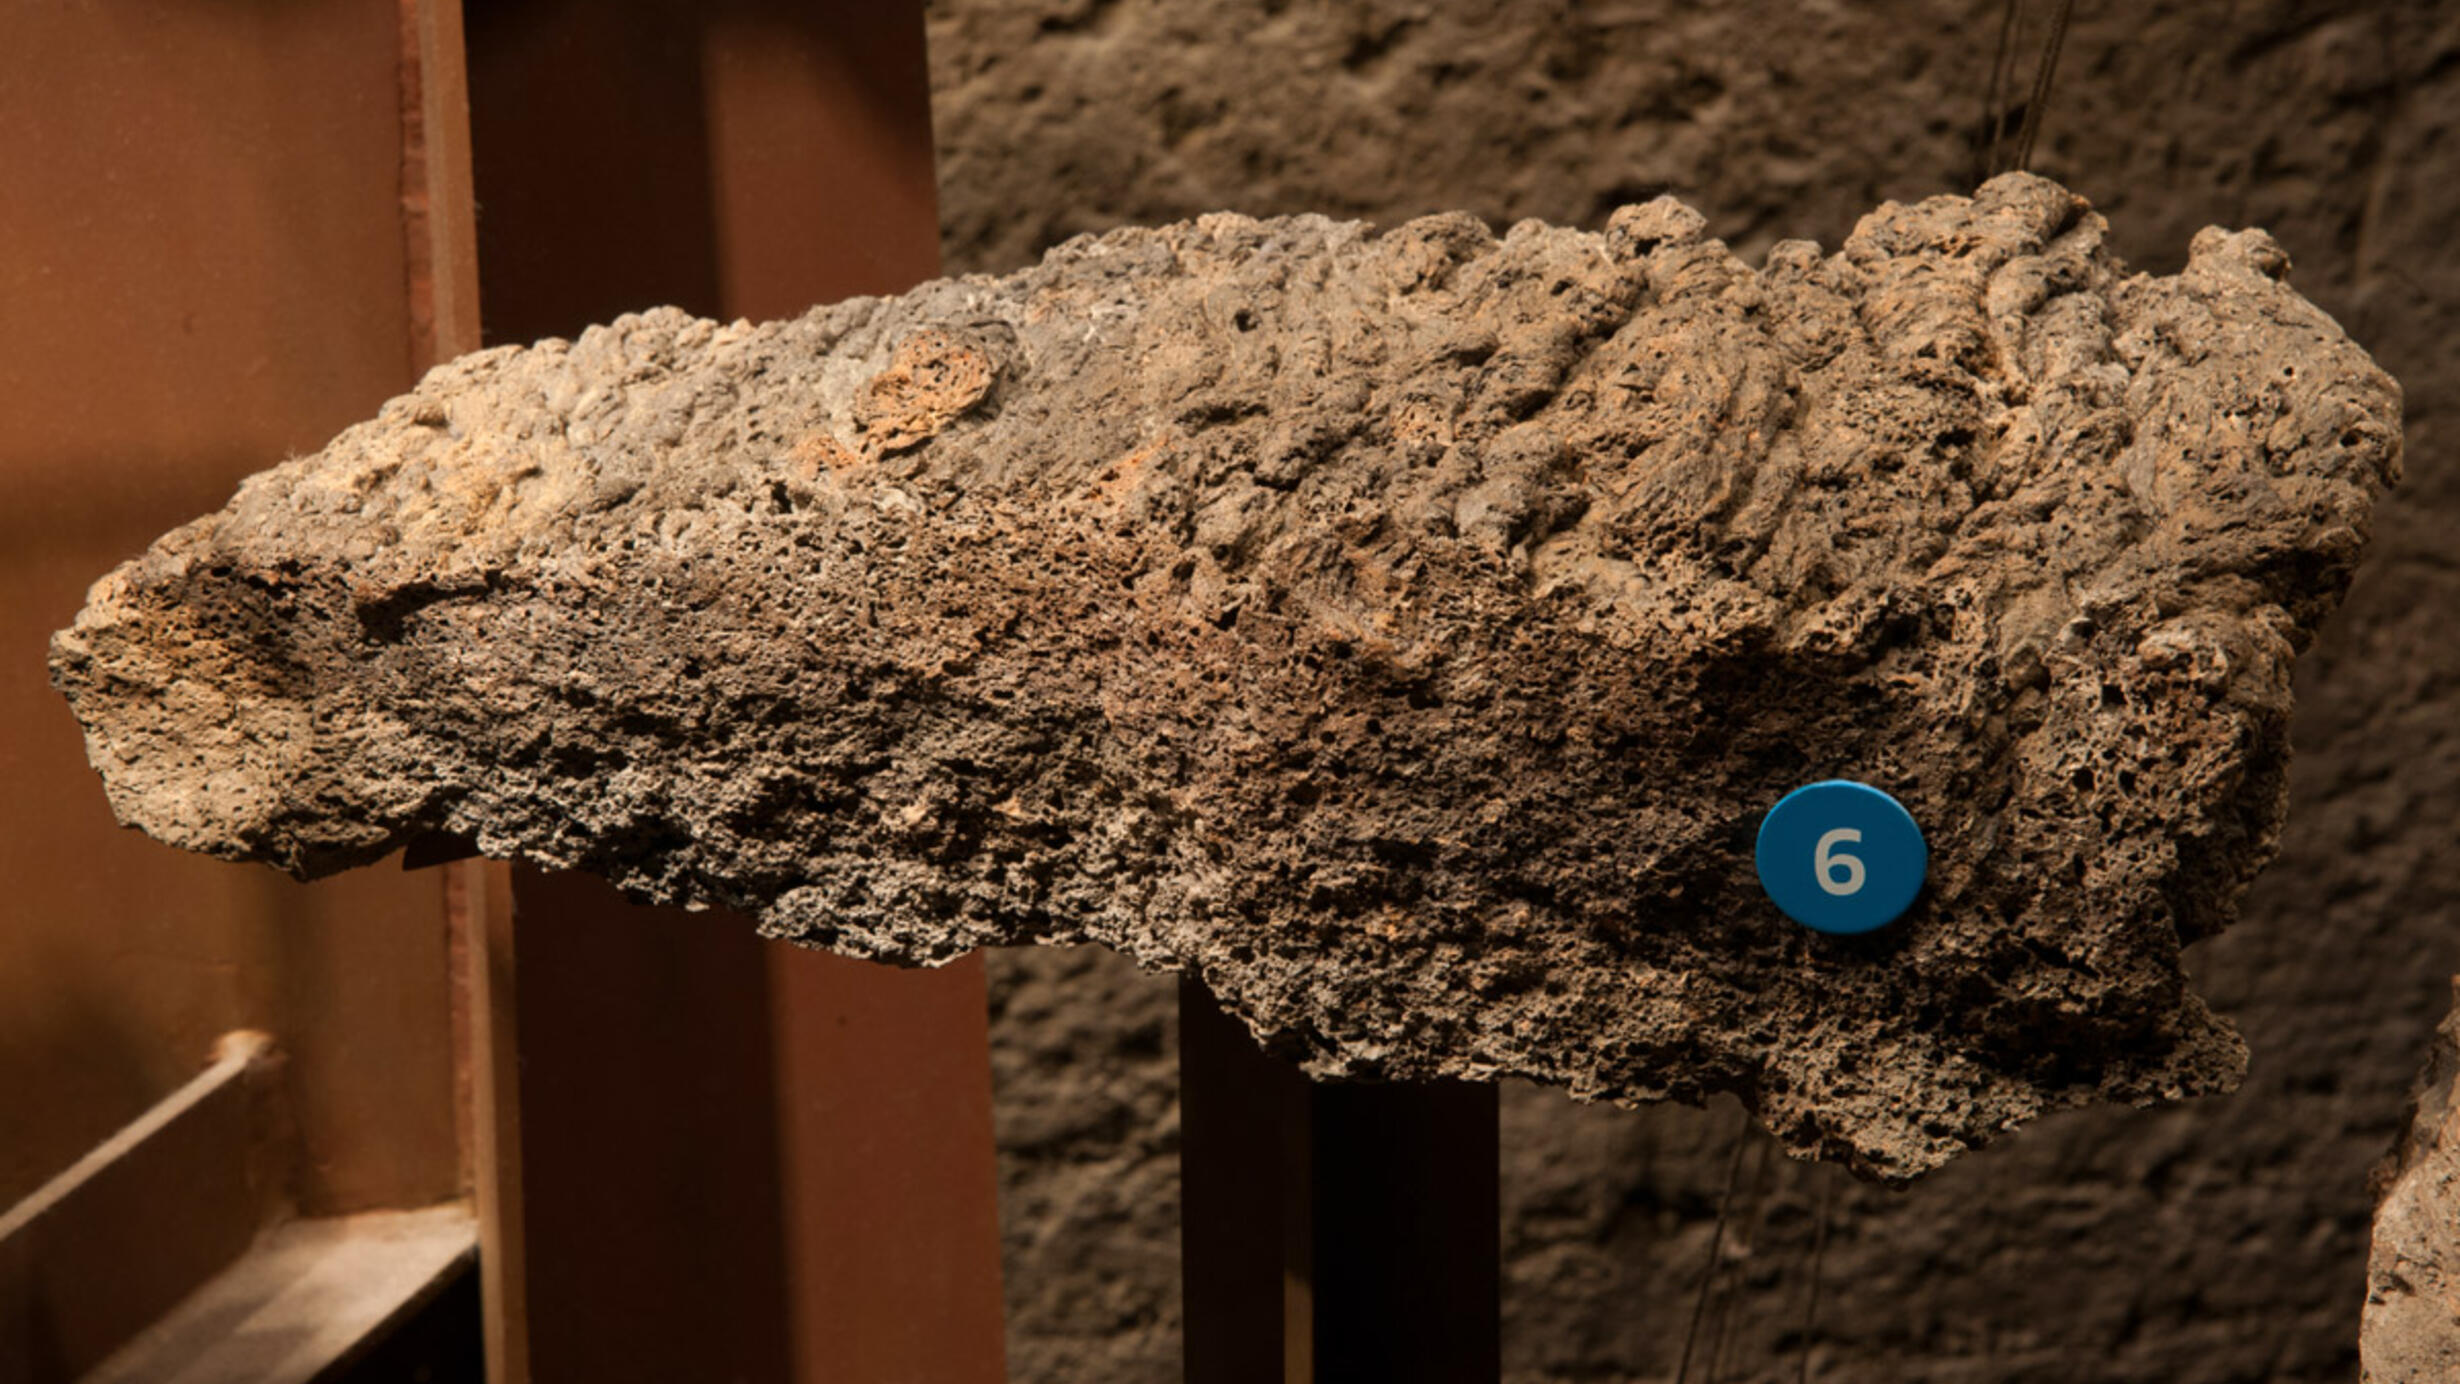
x: 103, y: 1249
x: 307, y: 1299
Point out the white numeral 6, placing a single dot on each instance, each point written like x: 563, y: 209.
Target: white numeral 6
x: 1826, y: 863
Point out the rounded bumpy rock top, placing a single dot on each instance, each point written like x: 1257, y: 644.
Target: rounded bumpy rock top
x: 1402, y: 632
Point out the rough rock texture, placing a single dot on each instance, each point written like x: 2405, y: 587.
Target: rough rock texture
x: 2412, y: 1323
x: 2206, y: 1242
x: 1404, y: 633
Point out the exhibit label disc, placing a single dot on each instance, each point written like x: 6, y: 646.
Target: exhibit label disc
x: 1841, y: 857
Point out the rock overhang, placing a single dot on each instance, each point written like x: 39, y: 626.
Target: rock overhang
x: 1403, y: 633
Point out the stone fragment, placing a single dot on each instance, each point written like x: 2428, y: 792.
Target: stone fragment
x: 1401, y: 632
x: 2411, y: 1330
x: 935, y: 377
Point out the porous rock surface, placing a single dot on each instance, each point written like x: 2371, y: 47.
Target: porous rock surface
x: 2411, y: 1329
x: 1402, y: 632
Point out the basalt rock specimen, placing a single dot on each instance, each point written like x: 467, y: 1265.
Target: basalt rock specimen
x: 1402, y: 632
x: 2411, y: 1331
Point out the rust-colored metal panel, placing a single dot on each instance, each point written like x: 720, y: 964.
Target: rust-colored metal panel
x: 721, y: 1137
x: 820, y: 171
x: 481, y: 893
x: 202, y: 268
x: 738, y: 1161
x: 891, y: 1198
x: 651, y: 1216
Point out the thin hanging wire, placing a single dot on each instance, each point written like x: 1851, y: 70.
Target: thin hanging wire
x: 1755, y: 1210
x: 1716, y: 1248
x: 2002, y: 67
x: 1819, y: 1256
x: 2041, y: 83
x: 1995, y: 111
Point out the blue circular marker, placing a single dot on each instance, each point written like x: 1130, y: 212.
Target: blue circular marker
x: 1840, y: 856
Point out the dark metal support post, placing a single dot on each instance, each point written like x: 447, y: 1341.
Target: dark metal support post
x: 1345, y: 1232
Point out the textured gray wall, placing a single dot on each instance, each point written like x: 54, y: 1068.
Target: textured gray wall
x: 2219, y: 1241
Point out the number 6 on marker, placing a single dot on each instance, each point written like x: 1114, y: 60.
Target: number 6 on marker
x: 1825, y: 863
x: 1840, y: 856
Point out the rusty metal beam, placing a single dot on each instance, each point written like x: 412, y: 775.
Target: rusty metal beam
x: 717, y: 1155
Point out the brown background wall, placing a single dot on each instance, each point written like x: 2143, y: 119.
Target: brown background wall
x: 205, y: 263
x: 2219, y: 1241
